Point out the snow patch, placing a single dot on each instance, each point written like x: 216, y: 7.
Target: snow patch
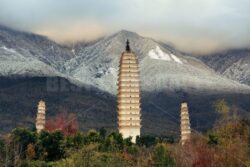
x: 112, y: 71
x: 158, y: 54
x: 176, y: 59
x: 7, y: 49
x: 73, y: 51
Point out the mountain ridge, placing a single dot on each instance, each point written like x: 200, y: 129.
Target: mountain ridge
x: 233, y: 64
x: 96, y: 63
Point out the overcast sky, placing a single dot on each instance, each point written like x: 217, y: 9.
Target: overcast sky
x: 191, y: 25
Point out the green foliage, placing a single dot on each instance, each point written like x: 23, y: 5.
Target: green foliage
x: 92, y: 137
x: 74, y: 141
x: 89, y: 156
x: 162, y: 157
x: 23, y: 136
x: 108, y: 160
x: 128, y: 142
x: 2, y: 151
x: 225, y: 145
x: 133, y: 149
x: 212, y: 139
x: 113, y: 142
x: 27, y: 163
x: 2, y: 144
x: 166, y: 139
x: 103, y: 133
x: 51, y: 145
x: 146, y: 141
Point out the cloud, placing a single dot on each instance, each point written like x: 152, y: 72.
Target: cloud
x: 192, y: 25
x: 86, y: 31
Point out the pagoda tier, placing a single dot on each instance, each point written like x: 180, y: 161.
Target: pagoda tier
x: 129, y: 91
x: 128, y: 60
x: 128, y: 98
x: 128, y: 94
x: 131, y: 127
x: 129, y: 79
x: 126, y: 110
x: 129, y: 86
x: 130, y: 70
x: 128, y: 83
x: 129, y: 106
x: 185, y: 124
x: 135, y: 75
x: 128, y: 114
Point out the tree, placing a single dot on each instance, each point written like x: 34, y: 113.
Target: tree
x: 90, y: 157
x: 113, y: 142
x: 51, y: 146
x: 166, y: 139
x: 128, y: 142
x: 102, y: 133
x: 145, y: 140
x: 117, y: 141
x: 75, y: 140
x: 22, y: 137
x: 92, y: 137
x: 30, y: 152
x: 2, y: 151
x: 66, y: 123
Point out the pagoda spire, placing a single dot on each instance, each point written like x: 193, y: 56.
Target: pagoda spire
x: 127, y: 46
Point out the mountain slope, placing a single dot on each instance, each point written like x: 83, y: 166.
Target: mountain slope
x: 31, y: 52
x: 19, y: 98
x: 161, y: 68
x: 96, y: 109
x: 14, y: 63
x: 233, y: 64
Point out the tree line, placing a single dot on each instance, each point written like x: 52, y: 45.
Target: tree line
x: 226, y: 144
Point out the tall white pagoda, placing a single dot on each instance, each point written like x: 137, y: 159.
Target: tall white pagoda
x: 129, y: 110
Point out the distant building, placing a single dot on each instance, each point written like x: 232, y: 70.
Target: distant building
x: 129, y: 110
x: 185, y: 124
x: 40, y: 118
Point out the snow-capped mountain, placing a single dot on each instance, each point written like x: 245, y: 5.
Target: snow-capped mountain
x: 161, y: 68
x: 23, y: 53
x: 233, y: 64
x: 15, y: 63
x: 96, y: 63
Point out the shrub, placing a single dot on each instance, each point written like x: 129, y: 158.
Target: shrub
x: 162, y: 157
